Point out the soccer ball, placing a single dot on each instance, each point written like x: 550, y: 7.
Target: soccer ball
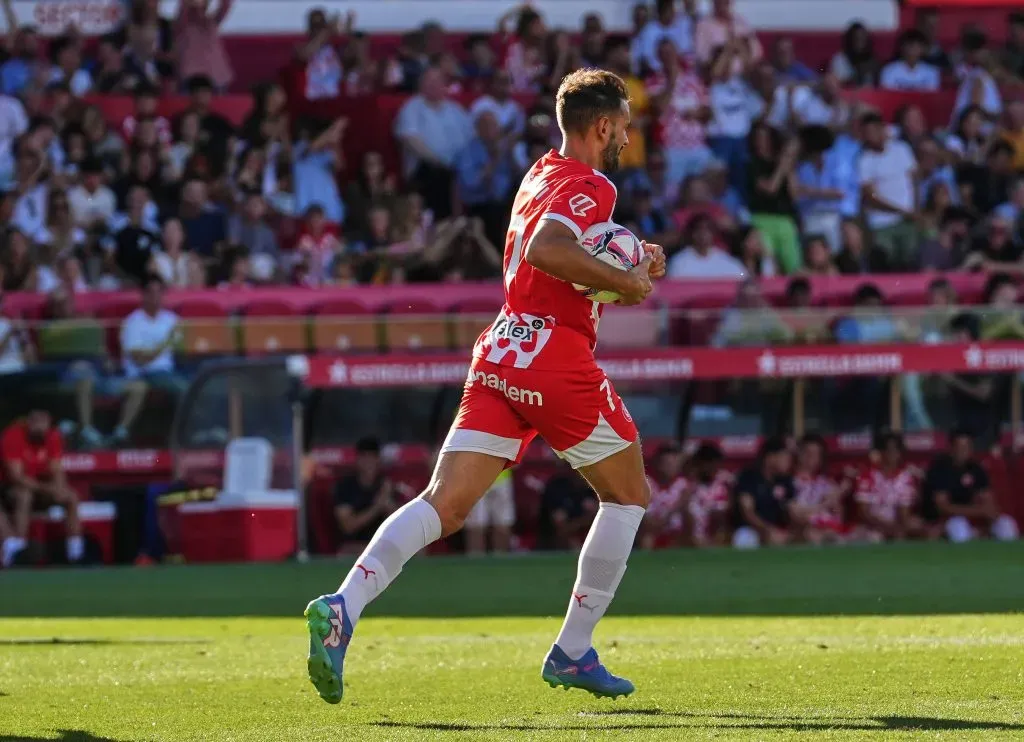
x: 614, y: 245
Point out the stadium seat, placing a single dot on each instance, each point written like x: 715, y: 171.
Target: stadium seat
x: 415, y: 326
x: 270, y: 327
x: 76, y: 339
x: 340, y: 325
x: 110, y: 313
x: 206, y: 328
x: 623, y: 327
x: 470, y: 318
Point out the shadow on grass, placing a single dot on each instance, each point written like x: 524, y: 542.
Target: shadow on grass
x: 64, y: 735
x: 724, y: 721
x: 57, y: 641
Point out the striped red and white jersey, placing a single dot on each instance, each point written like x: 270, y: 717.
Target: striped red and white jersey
x: 676, y: 128
x: 884, y: 494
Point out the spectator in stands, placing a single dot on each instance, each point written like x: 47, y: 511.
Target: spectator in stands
x: 957, y: 496
x: 1001, y: 319
x: 977, y: 85
x: 146, y: 99
x: 932, y: 169
x: 506, y: 110
x: 720, y: 28
x: 215, y: 131
x: 318, y: 243
x: 13, y: 121
x: 567, y: 507
x: 495, y: 510
x: 734, y: 107
x: 788, y: 68
x: 887, y: 169
x: 750, y: 250
x: 363, y: 499
x: 433, y: 131
x: 948, y: 249
x: 31, y: 173
x: 817, y: 257
x: 14, y: 351
x: 171, y: 262
x: 989, y: 184
x: 855, y: 64
x: 146, y: 14
x: 936, y: 202
x: 592, y: 41
x: 664, y: 522
x: 135, y: 245
x: 110, y: 74
x: 763, y: 499
x: 818, y: 186
x: 249, y: 228
x: 66, y: 59
x: 525, y: 56
x: 317, y: 160
x: 1011, y: 209
x: 908, y: 72
x: 910, y: 125
x: 681, y: 102
x: 19, y: 269
x: 667, y: 25
x: 887, y: 495
x: 22, y: 67
x: 818, y: 495
x: 1011, y: 56
x: 649, y: 222
x: 968, y: 141
x: 34, y: 477
x: 59, y: 235
x: 485, y: 176
x: 634, y: 155
x: 973, y: 395
x: 105, y: 145
x: 1013, y: 133
x: 204, y: 223
x: 480, y: 66
x: 372, y: 186
x: 323, y: 73
x: 926, y: 21
x: 750, y: 321
x: 995, y: 250
x: 200, y: 50
x: 142, y: 65
x: 770, y: 187
x: 704, y: 259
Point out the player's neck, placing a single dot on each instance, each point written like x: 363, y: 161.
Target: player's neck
x: 578, y: 150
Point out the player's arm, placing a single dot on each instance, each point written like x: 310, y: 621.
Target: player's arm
x: 553, y: 249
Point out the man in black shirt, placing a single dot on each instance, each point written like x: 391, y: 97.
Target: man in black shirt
x: 567, y: 507
x: 134, y: 245
x: 763, y: 499
x: 215, y: 131
x: 363, y: 499
x: 956, y: 493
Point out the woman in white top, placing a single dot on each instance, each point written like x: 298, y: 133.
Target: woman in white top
x: 969, y: 142
x: 855, y: 64
x: 734, y: 107
x: 171, y: 263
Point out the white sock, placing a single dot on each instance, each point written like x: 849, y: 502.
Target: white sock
x: 76, y: 548
x: 602, y: 564
x: 10, y: 549
x: 409, y: 529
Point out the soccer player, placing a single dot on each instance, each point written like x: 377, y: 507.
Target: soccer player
x: 533, y: 373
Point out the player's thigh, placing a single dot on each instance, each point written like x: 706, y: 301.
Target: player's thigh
x: 620, y: 478
x: 486, y: 435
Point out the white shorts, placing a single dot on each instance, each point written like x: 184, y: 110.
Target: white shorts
x: 496, y: 508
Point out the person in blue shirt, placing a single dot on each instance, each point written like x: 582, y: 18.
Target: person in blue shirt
x: 819, y: 187
x: 789, y: 68
x: 315, y: 170
x: 17, y: 72
x: 484, y: 175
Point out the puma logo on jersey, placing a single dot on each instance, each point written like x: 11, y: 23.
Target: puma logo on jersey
x: 581, y: 203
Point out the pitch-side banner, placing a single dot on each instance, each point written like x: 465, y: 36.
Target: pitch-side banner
x: 680, y: 364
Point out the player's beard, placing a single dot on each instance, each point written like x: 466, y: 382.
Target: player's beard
x: 610, y: 157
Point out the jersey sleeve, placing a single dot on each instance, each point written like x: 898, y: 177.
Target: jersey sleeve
x: 582, y: 202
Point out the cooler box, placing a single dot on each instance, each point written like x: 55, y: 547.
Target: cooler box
x: 97, y: 524
x: 249, y: 527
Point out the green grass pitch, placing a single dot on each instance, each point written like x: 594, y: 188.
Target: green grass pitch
x: 888, y: 643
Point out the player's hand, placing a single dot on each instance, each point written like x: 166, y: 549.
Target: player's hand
x: 638, y: 283
x: 657, y: 254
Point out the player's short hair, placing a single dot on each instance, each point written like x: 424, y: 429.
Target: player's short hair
x: 586, y: 95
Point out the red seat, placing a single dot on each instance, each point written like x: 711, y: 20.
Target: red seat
x: 111, y: 313
x: 415, y: 325
x: 270, y: 327
x: 344, y: 325
x: 633, y: 327
x: 198, y: 308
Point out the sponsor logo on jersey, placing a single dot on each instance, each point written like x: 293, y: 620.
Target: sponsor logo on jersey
x: 512, y: 392
x: 523, y: 335
x: 581, y: 203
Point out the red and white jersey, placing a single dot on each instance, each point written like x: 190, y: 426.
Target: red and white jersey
x: 677, y: 128
x: 546, y: 324
x: 707, y: 500
x: 666, y: 500
x: 884, y: 494
x: 816, y: 495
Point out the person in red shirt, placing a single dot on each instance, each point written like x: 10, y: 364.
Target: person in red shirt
x: 663, y: 525
x: 31, y: 451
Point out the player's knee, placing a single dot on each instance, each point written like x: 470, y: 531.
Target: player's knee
x: 451, y: 510
x: 636, y: 492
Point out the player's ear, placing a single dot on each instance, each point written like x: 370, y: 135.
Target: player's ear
x: 604, y: 129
